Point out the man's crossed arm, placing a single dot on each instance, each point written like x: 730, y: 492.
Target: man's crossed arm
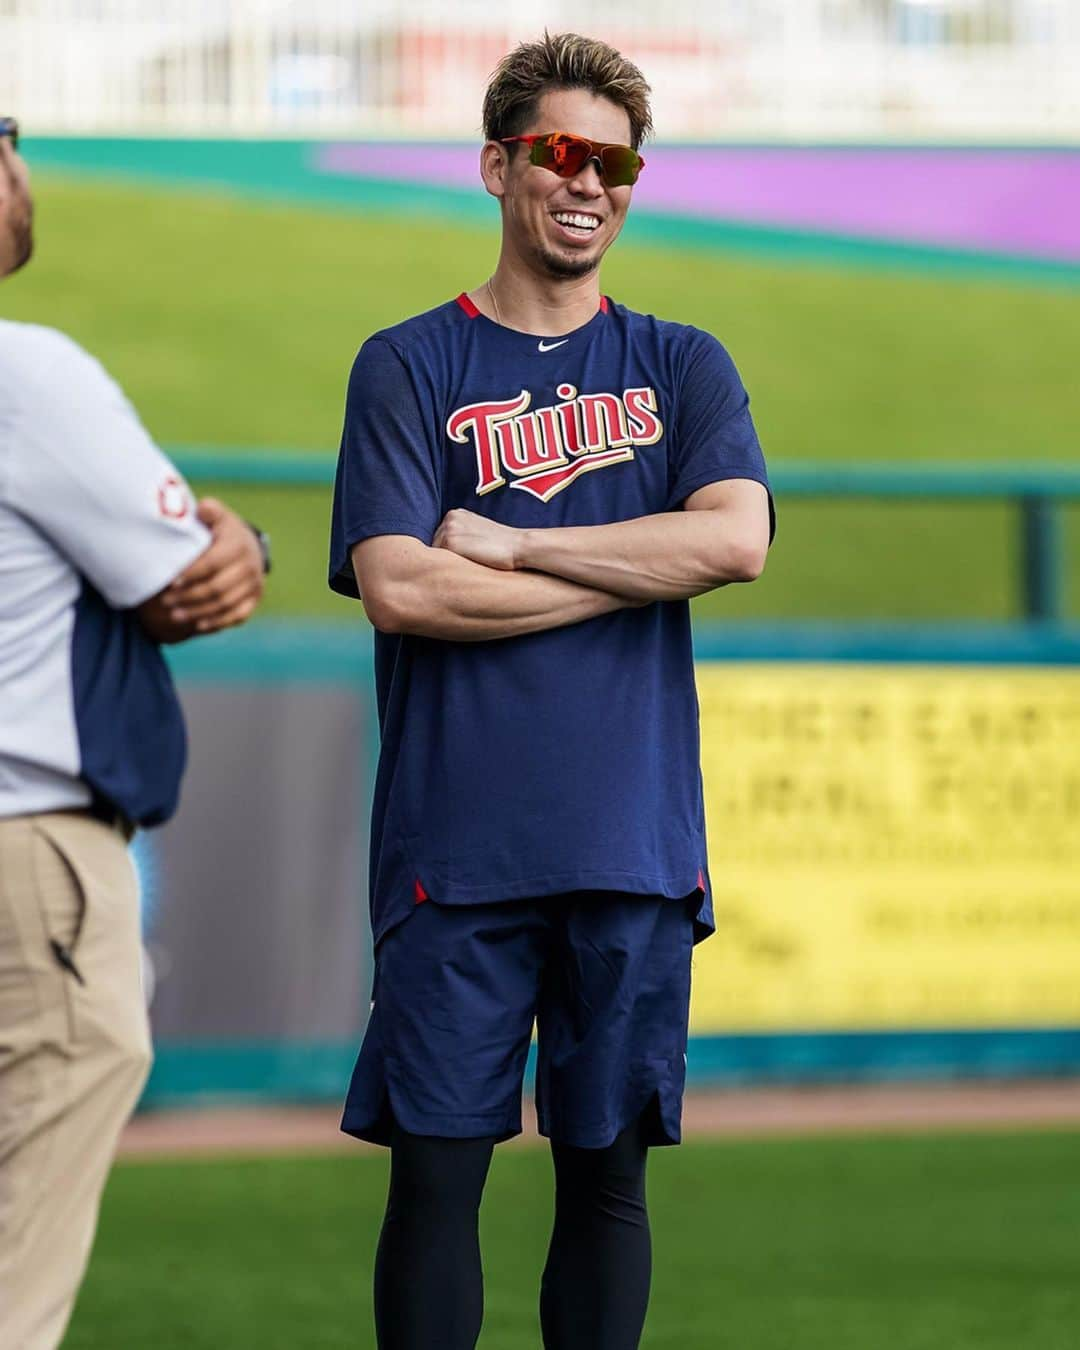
x: 482, y: 580
x: 219, y: 590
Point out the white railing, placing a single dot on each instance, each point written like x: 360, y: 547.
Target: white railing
x: 719, y: 68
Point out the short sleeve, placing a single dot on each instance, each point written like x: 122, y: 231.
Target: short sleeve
x: 84, y: 471
x: 715, y: 436
x: 387, y: 480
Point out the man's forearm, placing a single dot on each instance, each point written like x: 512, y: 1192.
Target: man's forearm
x: 437, y: 594
x: 158, y: 622
x: 671, y: 556
x: 220, y: 589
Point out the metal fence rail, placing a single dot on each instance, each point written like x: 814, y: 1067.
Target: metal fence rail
x: 1038, y: 492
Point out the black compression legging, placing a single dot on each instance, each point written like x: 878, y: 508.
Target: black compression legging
x: 429, y: 1291
x: 428, y: 1282
x: 595, y: 1288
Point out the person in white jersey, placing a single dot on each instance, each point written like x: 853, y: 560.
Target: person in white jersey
x: 104, y: 554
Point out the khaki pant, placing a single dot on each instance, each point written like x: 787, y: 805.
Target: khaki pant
x: 74, y: 1054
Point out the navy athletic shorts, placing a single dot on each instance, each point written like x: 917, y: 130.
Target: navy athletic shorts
x: 605, y: 975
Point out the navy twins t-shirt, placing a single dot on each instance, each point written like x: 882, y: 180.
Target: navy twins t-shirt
x: 558, y: 761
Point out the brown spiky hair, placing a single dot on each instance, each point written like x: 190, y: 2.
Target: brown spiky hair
x: 563, y: 61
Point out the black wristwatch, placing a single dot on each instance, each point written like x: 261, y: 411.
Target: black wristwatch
x: 263, y: 540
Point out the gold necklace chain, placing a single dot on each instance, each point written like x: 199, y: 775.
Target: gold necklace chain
x: 495, y: 304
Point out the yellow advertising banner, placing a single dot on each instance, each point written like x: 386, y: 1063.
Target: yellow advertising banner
x: 890, y: 846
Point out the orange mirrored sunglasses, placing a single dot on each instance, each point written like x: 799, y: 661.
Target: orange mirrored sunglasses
x: 566, y: 154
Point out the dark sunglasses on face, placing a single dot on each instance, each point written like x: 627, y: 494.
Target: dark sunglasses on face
x: 566, y: 155
x: 9, y: 128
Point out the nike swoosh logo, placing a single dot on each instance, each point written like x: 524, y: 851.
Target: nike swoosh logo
x: 550, y: 346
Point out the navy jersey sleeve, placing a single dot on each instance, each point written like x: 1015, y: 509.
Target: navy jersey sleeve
x: 387, y: 478
x: 715, y: 437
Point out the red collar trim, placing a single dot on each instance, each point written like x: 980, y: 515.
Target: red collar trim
x: 473, y: 313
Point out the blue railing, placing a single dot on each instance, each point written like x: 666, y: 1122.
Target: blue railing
x: 1038, y: 492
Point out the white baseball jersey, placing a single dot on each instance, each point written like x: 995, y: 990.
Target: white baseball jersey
x: 93, y: 521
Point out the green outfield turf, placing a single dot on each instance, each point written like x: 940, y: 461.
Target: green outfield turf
x: 234, y: 323
x: 935, y: 1243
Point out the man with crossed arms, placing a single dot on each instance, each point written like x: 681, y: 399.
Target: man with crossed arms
x: 533, y: 482
x: 104, y: 555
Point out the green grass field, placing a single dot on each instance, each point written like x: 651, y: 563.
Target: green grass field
x: 233, y: 323
x: 921, y: 1243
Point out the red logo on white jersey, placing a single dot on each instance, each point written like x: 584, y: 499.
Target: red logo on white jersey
x: 174, y: 500
x: 543, y: 451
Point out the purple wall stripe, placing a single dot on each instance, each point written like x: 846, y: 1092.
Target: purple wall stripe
x: 1013, y: 201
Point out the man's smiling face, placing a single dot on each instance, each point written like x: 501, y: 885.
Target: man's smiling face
x: 564, y: 226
